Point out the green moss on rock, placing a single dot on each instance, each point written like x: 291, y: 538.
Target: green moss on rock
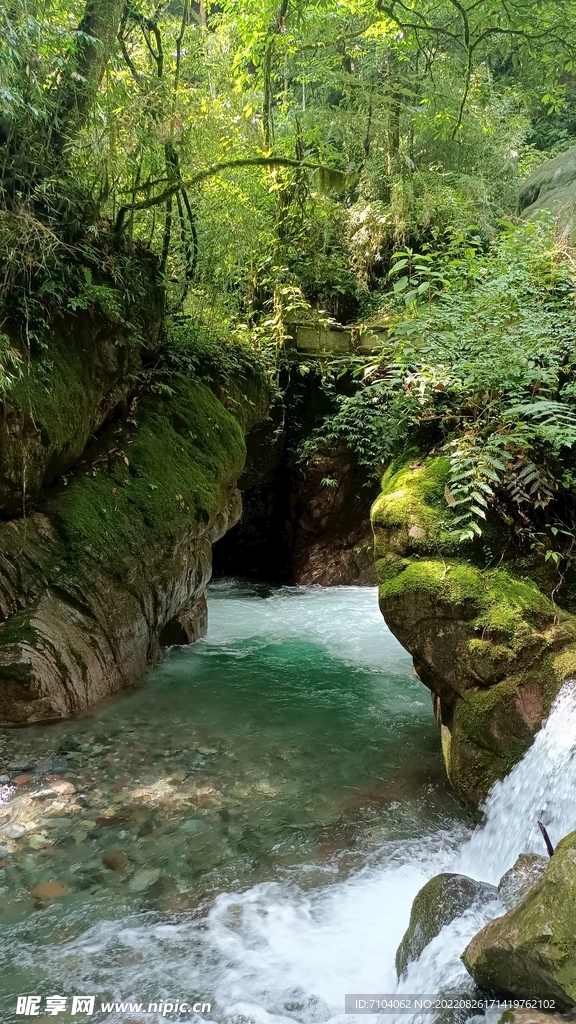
x: 530, y: 952
x: 186, y: 447
x: 485, y: 640
x: 442, y: 899
x: 411, y: 510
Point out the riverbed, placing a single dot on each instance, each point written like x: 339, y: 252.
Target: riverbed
x: 248, y: 828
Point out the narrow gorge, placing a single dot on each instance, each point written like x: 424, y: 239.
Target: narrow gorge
x: 288, y: 512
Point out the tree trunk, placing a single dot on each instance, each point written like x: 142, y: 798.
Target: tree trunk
x: 97, y: 34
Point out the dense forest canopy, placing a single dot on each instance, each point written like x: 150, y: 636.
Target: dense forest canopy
x: 254, y: 145
x: 274, y: 161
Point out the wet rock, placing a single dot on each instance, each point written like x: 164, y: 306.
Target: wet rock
x: 144, y: 879
x: 109, y: 820
x: 90, y: 879
x: 207, y: 750
x: 530, y: 952
x: 442, y: 899
x: 82, y: 800
x: 4, y: 779
x: 523, y: 1016
x: 22, y: 780
x: 115, y: 860
x: 58, y: 663
x: 52, y: 766
x: 61, y: 786
x: 15, y: 830
x: 38, y: 842
x: 68, y: 746
x: 42, y: 794
x: 146, y: 828
x: 526, y: 872
x: 59, y: 822
x: 493, y: 684
x: 21, y: 766
x: 3, y: 850
x: 47, y: 891
x: 192, y: 826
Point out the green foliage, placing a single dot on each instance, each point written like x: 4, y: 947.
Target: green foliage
x: 481, y: 366
x: 9, y: 364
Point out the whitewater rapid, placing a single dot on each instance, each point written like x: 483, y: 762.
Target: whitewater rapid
x: 280, y: 952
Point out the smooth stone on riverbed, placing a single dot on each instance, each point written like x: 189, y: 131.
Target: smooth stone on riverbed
x: 115, y: 860
x: 46, y: 891
x: 15, y: 830
x: 144, y: 879
x: 442, y: 899
x: 192, y: 825
x: 53, y: 766
x: 516, y: 883
x: 38, y: 842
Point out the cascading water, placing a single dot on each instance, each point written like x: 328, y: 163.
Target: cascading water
x: 541, y: 787
x: 328, y: 748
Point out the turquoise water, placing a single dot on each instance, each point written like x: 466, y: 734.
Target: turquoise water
x: 284, y: 758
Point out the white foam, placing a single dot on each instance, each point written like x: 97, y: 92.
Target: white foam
x: 541, y: 787
x: 345, y: 620
x: 275, y: 953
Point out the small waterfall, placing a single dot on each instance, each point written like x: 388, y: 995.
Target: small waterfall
x: 541, y: 787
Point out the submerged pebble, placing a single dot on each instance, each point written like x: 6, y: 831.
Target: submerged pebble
x: 15, y: 830
x: 144, y: 879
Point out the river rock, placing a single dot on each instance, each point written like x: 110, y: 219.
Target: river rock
x: 530, y: 952
x: 192, y: 826
x: 38, y: 842
x: 15, y: 830
x: 144, y: 879
x: 115, y: 860
x: 443, y: 898
x: 526, y: 872
x: 523, y: 1016
x: 22, y: 780
x: 61, y: 786
x: 46, y: 891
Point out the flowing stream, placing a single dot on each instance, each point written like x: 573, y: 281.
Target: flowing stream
x: 250, y: 827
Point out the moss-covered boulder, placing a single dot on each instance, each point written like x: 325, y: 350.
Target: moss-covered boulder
x: 521, y: 877
x: 116, y: 562
x: 530, y: 952
x: 552, y: 188
x: 492, y: 648
x: 521, y: 1015
x: 90, y: 361
x: 442, y: 899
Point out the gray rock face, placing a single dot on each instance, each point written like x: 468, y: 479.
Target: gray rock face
x: 442, y: 899
x: 552, y: 187
x: 526, y: 872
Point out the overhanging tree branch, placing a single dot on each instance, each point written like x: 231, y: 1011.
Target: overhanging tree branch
x: 210, y: 172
